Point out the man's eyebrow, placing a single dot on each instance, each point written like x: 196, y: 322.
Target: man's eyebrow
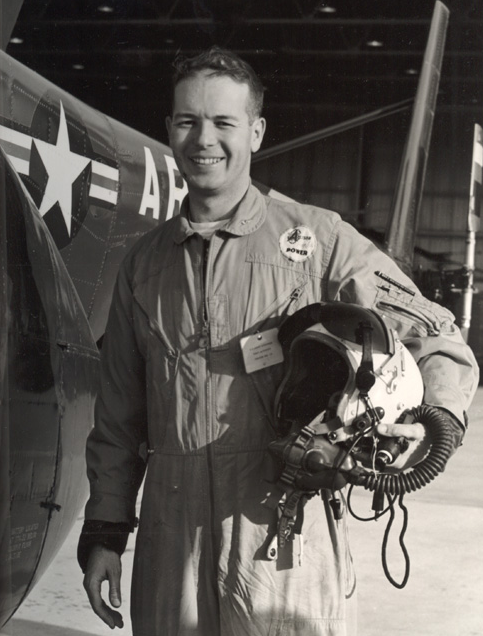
x: 182, y: 115
x: 176, y: 115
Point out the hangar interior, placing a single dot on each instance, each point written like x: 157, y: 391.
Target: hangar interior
x: 322, y: 62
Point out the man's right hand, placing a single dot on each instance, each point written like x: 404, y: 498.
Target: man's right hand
x: 104, y: 565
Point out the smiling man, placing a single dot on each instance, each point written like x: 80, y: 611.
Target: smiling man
x: 190, y: 369
x: 214, y: 128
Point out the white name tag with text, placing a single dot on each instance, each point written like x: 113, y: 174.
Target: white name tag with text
x: 261, y: 350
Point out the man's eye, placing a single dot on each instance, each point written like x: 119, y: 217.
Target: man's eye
x: 185, y: 123
x: 224, y: 124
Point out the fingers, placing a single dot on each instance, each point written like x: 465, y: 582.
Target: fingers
x: 115, y: 587
x: 412, y: 432
x: 109, y: 616
x: 104, y: 565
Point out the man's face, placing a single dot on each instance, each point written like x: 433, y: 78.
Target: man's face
x: 211, y: 135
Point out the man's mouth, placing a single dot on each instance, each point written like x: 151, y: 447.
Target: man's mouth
x: 206, y: 161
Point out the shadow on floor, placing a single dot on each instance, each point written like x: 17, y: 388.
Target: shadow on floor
x: 20, y: 627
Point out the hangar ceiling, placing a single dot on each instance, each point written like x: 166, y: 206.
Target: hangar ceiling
x: 320, y: 61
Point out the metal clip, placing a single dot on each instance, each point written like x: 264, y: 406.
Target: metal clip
x: 272, y: 550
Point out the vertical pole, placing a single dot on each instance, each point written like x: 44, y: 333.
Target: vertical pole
x: 473, y: 225
x: 5, y: 490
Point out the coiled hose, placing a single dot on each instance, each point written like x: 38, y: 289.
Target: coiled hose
x: 441, y: 438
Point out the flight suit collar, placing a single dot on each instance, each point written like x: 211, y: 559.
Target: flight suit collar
x: 247, y: 218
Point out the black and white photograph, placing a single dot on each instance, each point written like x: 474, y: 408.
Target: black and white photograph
x: 241, y: 319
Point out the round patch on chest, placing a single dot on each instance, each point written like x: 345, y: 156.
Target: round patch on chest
x: 298, y: 243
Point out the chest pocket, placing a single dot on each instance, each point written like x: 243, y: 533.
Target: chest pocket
x: 151, y: 304
x: 291, y: 298
x: 161, y: 371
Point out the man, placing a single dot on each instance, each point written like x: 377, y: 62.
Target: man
x: 174, y: 383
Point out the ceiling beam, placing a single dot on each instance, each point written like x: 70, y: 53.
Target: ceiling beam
x: 250, y: 22
x: 49, y: 51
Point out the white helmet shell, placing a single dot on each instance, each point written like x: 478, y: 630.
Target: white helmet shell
x: 328, y: 352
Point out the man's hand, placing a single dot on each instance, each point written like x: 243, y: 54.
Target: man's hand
x: 104, y: 565
x: 418, y: 447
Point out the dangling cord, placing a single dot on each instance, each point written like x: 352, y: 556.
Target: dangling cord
x: 401, y: 543
x: 374, y: 517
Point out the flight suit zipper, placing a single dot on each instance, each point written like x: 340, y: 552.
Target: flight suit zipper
x: 207, y: 267
x: 205, y: 325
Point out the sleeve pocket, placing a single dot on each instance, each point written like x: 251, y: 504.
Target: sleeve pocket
x: 413, y: 315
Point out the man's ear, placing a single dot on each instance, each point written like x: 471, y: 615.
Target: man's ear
x: 258, y: 130
x: 168, y: 121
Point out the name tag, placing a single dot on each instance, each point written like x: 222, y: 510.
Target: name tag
x: 261, y: 350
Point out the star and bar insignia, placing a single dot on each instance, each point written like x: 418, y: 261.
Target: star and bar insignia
x: 62, y: 181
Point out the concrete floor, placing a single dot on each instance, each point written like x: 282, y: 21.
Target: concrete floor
x: 443, y: 597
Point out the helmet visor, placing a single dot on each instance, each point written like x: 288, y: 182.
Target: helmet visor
x: 342, y: 320
x: 316, y: 375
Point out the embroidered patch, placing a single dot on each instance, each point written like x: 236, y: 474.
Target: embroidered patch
x: 298, y: 244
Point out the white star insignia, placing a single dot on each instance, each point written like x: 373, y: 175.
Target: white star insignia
x: 63, y: 167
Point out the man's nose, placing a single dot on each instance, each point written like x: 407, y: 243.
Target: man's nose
x: 206, y: 134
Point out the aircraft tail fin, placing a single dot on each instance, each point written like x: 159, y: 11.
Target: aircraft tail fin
x: 401, y: 228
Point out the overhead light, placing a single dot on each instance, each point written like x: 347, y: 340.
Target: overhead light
x: 16, y: 40
x: 324, y: 8
x: 411, y: 71
x: 123, y: 87
x: 78, y: 67
x: 105, y: 8
x: 375, y: 43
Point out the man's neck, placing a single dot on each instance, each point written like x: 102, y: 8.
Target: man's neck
x: 212, y: 208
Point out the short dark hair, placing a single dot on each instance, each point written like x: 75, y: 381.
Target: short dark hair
x: 222, y: 63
